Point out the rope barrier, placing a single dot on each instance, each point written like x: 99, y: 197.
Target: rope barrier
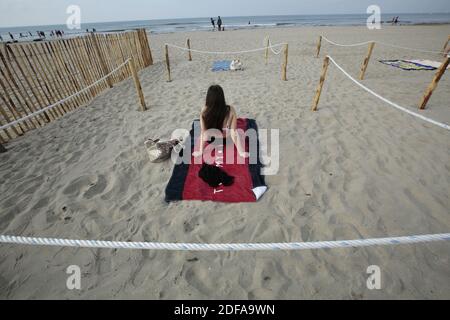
x: 225, y: 52
x: 346, y: 45
x: 442, y: 125
x: 224, y: 247
x: 272, y: 48
x: 406, y: 48
x: 381, y: 43
x: 62, y: 101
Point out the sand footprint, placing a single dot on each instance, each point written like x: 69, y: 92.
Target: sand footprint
x: 76, y: 186
x: 88, y: 186
x: 200, y: 278
x: 74, y: 157
x: 96, y: 188
x: 41, y: 203
x: 191, y: 225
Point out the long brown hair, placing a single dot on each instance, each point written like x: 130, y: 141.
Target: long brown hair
x: 216, y: 110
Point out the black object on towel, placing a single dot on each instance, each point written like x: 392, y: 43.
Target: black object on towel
x: 214, y: 176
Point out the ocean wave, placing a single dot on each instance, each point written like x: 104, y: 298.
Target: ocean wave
x: 178, y: 23
x: 285, y: 24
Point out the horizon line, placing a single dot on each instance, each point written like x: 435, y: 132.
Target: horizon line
x: 245, y: 16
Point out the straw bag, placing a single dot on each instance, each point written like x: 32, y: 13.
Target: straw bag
x: 161, y: 151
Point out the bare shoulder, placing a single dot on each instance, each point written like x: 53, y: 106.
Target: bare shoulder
x: 233, y: 112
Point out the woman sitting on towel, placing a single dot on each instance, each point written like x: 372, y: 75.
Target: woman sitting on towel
x: 219, y: 116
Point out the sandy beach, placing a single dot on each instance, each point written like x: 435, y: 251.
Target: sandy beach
x: 355, y: 169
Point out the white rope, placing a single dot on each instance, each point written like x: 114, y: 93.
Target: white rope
x: 381, y: 43
x: 224, y: 52
x: 410, y: 49
x: 442, y: 125
x: 272, y: 49
x: 346, y: 45
x: 224, y: 247
x: 61, y: 101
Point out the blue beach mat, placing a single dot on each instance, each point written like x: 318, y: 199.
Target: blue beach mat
x: 223, y: 65
x: 407, y: 65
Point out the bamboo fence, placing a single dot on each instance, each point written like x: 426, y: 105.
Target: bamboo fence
x: 34, y: 75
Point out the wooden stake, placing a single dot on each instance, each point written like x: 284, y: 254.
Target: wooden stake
x: 12, y: 107
x: 23, y: 67
x: 94, y: 65
x: 169, y: 78
x: 2, y: 139
x: 20, y: 89
x: 141, y: 35
x: 102, y: 41
x: 445, y: 46
x: 8, y: 118
x: 55, y: 65
x: 100, y: 57
x: 366, y: 61
x: 433, y: 85
x: 56, y: 74
x: 36, y: 67
x: 319, y: 46
x: 286, y: 53
x: 139, y: 59
x: 267, y: 50
x: 137, y: 83
x: 20, y: 74
x: 70, y: 63
x: 189, y: 48
x: 61, y: 70
x: 326, y: 62
x: 147, y: 47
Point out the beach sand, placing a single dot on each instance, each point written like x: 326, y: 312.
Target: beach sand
x: 357, y: 168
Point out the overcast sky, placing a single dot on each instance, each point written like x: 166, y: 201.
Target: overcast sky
x: 45, y: 12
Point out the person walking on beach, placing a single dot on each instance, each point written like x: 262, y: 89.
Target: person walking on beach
x: 219, y: 23
x: 213, y: 24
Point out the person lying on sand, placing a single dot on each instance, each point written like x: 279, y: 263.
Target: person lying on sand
x: 219, y: 116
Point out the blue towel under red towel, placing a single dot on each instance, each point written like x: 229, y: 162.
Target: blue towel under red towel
x: 249, y: 185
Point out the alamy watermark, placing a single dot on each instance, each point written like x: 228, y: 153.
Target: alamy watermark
x: 257, y: 144
x: 74, y: 280
x: 374, y: 20
x: 374, y: 280
x: 74, y: 20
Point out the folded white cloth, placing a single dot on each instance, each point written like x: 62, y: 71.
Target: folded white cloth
x: 236, y: 65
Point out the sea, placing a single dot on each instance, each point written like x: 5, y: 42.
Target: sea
x: 230, y: 23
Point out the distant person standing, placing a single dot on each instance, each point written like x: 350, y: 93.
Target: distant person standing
x: 219, y: 23
x: 213, y: 24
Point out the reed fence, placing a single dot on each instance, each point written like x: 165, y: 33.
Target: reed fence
x: 34, y: 75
